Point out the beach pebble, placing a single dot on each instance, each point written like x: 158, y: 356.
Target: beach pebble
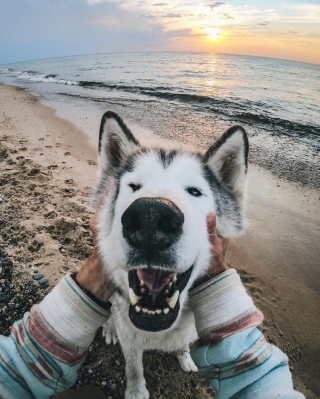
x: 44, y: 286
x: 118, y: 363
x: 0, y: 270
x: 104, y: 383
x: 2, y: 281
x: 90, y: 371
x: 3, y: 298
x: 62, y: 250
x: 38, y: 276
x: 113, y: 387
x: 1, y: 198
x: 43, y: 281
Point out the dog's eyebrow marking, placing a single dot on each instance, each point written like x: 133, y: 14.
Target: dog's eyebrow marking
x: 166, y: 156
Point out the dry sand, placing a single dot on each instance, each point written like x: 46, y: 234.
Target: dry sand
x: 47, y: 169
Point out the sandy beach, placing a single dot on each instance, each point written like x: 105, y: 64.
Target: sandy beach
x: 47, y: 170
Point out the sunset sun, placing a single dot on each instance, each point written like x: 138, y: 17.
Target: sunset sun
x: 213, y: 33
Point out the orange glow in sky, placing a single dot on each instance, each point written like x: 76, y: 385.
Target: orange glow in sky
x: 267, y: 28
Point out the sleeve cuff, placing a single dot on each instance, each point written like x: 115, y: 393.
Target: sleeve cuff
x: 72, y: 314
x: 222, y: 307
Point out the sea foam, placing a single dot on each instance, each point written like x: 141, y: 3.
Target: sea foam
x: 43, y: 78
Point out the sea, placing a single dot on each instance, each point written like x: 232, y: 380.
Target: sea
x: 273, y: 96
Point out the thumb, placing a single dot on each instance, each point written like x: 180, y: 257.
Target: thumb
x: 211, y: 223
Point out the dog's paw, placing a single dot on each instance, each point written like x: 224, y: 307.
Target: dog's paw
x: 134, y: 391
x: 109, y: 333
x: 185, y: 361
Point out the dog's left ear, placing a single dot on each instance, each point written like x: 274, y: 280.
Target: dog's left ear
x: 116, y: 142
x: 228, y: 159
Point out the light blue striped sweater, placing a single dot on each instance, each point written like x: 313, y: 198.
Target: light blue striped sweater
x: 42, y: 355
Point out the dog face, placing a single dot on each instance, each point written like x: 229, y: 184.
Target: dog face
x: 152, y: 225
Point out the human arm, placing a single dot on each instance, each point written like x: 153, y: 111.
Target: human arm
x: 42, y: 355
x: 232, y: 353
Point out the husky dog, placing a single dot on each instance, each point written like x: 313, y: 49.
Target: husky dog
x: 153, y: 235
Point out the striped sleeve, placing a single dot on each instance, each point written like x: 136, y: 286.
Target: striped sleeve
x: 232, y: 353
x: 46, y: 348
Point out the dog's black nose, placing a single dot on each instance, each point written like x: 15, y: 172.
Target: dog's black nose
x: 152, y: 223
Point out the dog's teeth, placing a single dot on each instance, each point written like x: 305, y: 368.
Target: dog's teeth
x: 141, y: 283
x: 170, y: 284
x: 166, y: 310
x: 158, y: 311
x: 138, y: 309
x: 166, y: 292
x: 144, y: 310
x: 149, y: 312
x: 173, y: 300
x: 174, y: 280
x: 134, y: 299
x: 153, y: 312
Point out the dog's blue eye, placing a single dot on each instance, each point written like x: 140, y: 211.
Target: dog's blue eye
x: 135, y: 187
x: 194, y: 191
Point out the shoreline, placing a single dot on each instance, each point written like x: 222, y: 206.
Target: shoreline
x: 271, y: 148
x: 277, y: 256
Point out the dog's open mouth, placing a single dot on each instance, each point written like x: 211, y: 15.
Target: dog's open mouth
x: 154, y: 296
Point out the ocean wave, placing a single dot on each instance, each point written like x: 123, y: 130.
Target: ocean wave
x: 244, y: 111
x: 236, y: 110
x: 43, y: 78
x: 5, y: 70
x: 133, y: 89
x: 286, y: 127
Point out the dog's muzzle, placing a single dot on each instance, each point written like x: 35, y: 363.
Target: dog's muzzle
x: 151, y: 227
x: 152, y: 224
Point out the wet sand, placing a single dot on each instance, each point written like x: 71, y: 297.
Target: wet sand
x: 52, y: 165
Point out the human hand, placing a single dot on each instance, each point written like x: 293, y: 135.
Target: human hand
x: 219, y: 246
x: 92, y: 276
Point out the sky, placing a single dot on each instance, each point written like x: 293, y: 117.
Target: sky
x: 35, y: 29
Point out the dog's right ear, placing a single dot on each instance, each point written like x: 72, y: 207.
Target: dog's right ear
x: 116, y: 142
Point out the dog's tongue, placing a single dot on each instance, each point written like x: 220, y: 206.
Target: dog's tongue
x: 155, y: 279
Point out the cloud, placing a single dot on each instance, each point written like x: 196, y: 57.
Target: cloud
x: 160, y: 4
x: 150, y: 16
x: 302, y: 13
x: 264, y: 23
x: 181, y: 33
x: 215, y: 4
x: 225, y: 15
x: 246, y: 10
x: 93, y: 2
x: 173, y: 15
x: 290, y: 31
x: 272, y: 15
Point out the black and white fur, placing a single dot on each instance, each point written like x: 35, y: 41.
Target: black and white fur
x: 220, y: 176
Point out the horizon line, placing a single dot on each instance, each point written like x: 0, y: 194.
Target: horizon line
x: 160, y: 51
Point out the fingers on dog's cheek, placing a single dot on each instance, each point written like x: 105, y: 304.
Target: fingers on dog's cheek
x: 211, y: 223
